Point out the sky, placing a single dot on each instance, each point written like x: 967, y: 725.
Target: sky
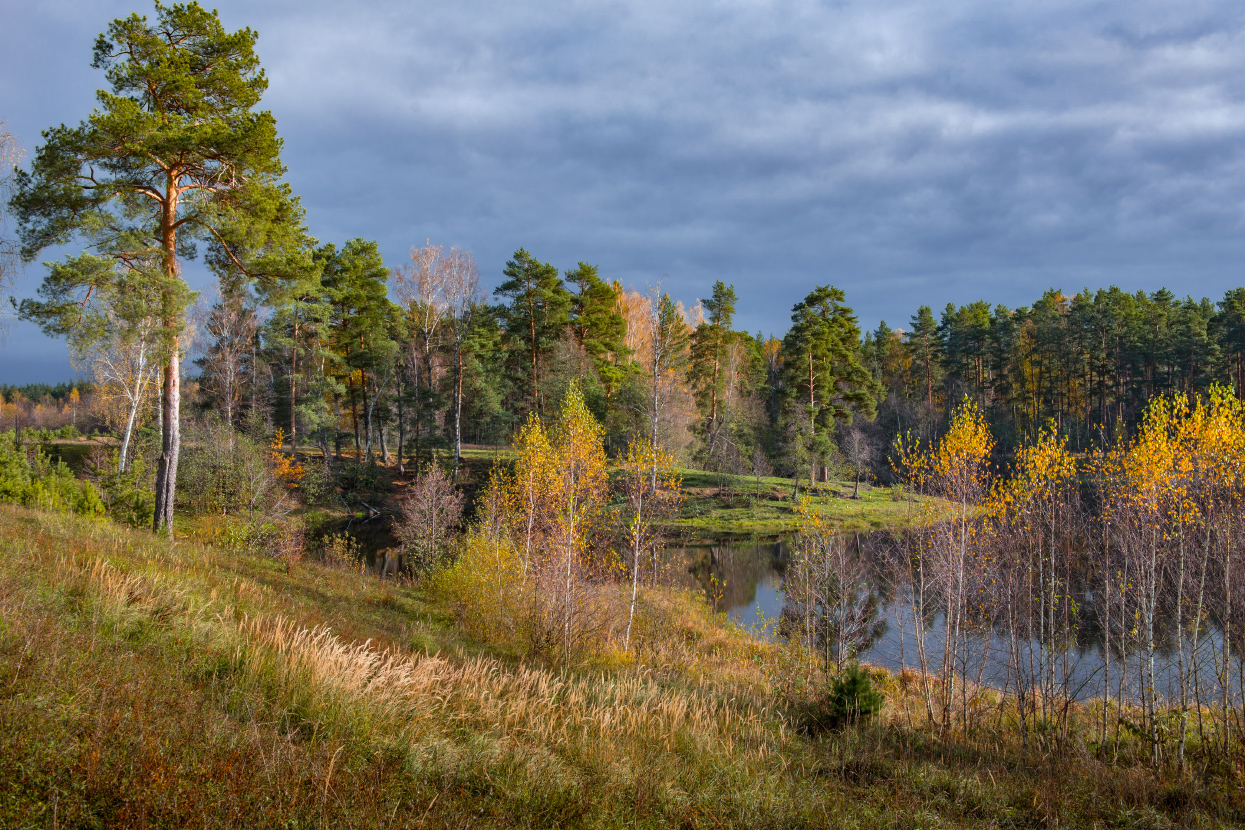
x: 907, y: 152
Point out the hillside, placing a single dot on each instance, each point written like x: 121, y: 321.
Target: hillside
x: 144, y: 684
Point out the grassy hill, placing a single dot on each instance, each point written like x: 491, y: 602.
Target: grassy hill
x: 149, y: 684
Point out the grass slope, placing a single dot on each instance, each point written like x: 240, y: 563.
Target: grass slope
x: 144, y: 684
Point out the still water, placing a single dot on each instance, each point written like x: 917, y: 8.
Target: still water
x: 745, y: 581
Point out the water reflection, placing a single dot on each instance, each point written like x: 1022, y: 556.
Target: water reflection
x: 746, y: 581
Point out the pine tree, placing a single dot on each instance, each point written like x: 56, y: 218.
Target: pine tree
x: 925, y: 346
x: 709, y: 344
x: 537, y: 313
x: 598, y: 325
x: 362, y: 328
x: 175, y: 153
x: 822, y: 375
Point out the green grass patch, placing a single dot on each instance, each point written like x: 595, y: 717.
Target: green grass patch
x: 725, y: 506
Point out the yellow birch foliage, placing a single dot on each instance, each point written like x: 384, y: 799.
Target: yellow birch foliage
x: 526, y: 495
x: 650, y: 482
x: 485, y: 589
x: 1043, y: 470
x: 580, y: 479
x: 523, y: 568
x: 957, y: 465
x: 954, y: 467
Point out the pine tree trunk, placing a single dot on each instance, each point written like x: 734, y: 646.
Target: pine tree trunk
x: 293, y: 387
x: 401, y: 422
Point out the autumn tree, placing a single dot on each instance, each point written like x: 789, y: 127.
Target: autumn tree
x: 420, y: 286
x: 462, y: 306
x: 830, y: 601
x: 111, y: 332
x: 430, y: 514
x: 857, y: 448
x: 666, y: 344
x: 530, y: 488
x: 649, y: 484
x: 175, y: 153
x: 948, y: 560
x: 578, y: 496
x: 1037, y: 513
x: 228, y: 335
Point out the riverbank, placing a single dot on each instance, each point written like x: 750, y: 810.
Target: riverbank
x: 149, y: 684
x: 716, y: 507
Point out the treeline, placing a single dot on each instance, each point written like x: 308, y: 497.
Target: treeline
x: 365, y: 361
x: 343, y: 353
x: 342, y: 366
x: 68, y: 408
x: 1090, y: 362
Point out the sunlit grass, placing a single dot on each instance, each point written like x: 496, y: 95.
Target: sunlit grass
x: 726, y: 505
x: 144, y: 683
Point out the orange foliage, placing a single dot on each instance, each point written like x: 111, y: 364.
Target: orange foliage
x: 289, y: 471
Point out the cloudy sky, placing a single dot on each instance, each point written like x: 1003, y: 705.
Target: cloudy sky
x: 908, y: 152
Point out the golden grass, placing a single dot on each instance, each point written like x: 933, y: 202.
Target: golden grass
x: 145, y: 684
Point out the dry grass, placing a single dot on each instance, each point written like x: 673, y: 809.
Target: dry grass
x: 148, y: 685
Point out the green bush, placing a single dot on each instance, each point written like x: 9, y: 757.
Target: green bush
x: 852, y: 698
x: 849, y: 700
x: 318, y: 485
x: 130, y: 497
x: 360, y: 481
x: 225, y: 472
x: 28, y: 477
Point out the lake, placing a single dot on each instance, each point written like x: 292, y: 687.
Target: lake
x: 745, y: 581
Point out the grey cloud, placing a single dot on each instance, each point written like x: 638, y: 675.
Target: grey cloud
x: 910, y: 152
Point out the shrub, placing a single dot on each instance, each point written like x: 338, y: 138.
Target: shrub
x: 429, y: 520
x: 486, y: 588
x: 224, y: 471
x: 340, y: 550
x: 130, y: 496
x: 28, y: 477
x: 849, y: 699
x: 360, y: 481
x: 318, y: 485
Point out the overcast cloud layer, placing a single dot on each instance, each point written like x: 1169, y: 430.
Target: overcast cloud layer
x: 907, y: 152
